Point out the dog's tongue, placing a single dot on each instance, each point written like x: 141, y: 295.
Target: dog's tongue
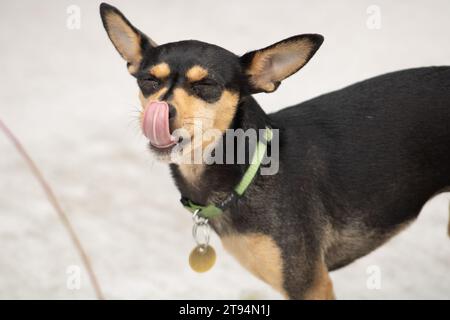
x: 156, y: 124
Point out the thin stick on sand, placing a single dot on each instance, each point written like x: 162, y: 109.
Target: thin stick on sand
x: 54, y: 202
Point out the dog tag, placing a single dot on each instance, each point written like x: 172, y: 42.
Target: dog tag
x: 202, y: 258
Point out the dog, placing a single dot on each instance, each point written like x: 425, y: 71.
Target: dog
x: 355, y: 165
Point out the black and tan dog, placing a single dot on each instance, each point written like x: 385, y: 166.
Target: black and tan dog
x: 355, y: 165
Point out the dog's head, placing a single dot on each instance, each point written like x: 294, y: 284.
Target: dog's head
x: 192, y: 84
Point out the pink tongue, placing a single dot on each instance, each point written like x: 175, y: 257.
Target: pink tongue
x: 156, y: 124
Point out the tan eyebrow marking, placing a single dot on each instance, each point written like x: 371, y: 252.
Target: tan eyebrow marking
x: 196, y: 73
x: 160, y: 71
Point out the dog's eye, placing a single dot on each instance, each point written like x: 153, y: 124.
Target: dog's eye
x: 148, y: 85
x: 207, y: 90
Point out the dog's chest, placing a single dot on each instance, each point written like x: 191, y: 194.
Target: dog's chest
x: 191, y: 173
x: 259, y: 254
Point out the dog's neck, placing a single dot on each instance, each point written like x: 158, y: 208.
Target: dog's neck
x: 201, y: 182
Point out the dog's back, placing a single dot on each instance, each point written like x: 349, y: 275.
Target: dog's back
x: 381, y: 149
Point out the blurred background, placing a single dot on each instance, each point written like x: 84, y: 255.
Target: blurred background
x: 66, y: 94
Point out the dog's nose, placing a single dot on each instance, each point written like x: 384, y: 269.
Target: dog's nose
x: 172, y: 111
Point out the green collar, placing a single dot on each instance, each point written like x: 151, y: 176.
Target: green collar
x: 211, y: 210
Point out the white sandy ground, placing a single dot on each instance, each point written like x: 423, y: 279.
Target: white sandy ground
x: 67, y: 96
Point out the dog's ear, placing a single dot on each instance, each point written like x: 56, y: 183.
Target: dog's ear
x: 266, y: 68
x: 129, y: 41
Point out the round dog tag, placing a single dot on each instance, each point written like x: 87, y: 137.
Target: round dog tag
x: 202, y: 258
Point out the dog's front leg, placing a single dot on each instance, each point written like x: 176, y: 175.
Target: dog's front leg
x: 307, y: 281
x: 322, y: 286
